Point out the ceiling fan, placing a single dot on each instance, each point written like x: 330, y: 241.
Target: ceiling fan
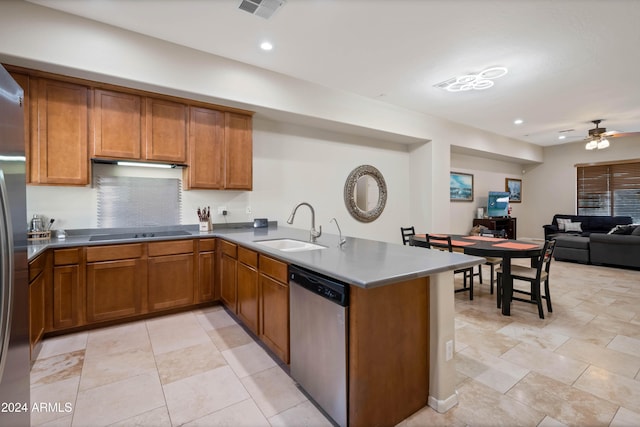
x: 599, y: 137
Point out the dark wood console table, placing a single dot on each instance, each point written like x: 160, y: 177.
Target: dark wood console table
x: 508, y: 224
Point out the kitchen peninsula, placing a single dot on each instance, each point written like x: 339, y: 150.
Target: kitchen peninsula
x: 400, y: 313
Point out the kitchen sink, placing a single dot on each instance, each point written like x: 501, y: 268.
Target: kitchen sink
x: 146, y: 234
x: 289, y: 245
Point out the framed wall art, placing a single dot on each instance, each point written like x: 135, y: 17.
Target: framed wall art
x: 460, y: 187
x: 514, y: 187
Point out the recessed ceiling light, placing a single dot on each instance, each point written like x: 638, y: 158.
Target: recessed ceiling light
x: 518, y: 121
x: 266, y: 46
x: 562, y: 137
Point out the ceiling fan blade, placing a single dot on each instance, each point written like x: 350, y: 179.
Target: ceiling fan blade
x: 619, y: 134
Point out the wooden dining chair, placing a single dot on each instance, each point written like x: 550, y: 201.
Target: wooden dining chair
x: 492, y: 262
x: 536, y: 276
x: 407, y: 233
x: 443, y: 243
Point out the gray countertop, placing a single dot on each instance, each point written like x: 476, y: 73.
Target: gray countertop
x: 361, y: 262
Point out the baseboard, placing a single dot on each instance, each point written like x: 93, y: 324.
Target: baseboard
x: 443, y: 406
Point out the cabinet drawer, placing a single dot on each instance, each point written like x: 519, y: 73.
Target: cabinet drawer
x: 66, y: 256
x: 207, y: 245
x: 248, y: 257
x: 37, y: 266
x: 171, y: 247
x: 229, y: 249
x: 274, y: 268
x: 114, y: 252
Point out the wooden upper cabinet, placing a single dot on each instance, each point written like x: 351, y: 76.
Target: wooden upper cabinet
x: 206, y: 149
x: 23, y: 81
x: 60, y: 130
x: 165, y: 131
x: 238, y: 152
x: 117, y: 125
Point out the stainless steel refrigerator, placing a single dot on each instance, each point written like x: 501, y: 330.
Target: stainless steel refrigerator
x: 14, y: 289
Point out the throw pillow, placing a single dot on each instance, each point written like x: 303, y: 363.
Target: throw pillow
x: 624, y: 230
x: 636, y: 231
x: 562, y: 222
x: 573, y: 226
x: 615, y: 230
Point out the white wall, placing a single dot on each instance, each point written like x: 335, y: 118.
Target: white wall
x: 488, y: 175
x: 292, y: 164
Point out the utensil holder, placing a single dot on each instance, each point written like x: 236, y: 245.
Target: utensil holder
x: 205, y: 226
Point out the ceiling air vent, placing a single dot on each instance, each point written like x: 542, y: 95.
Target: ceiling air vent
x: 263, y: 8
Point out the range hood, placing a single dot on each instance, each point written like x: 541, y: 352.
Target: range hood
x: 137, y: 163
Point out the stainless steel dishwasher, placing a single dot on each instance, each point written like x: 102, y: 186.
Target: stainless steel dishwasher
x: 318, y: 349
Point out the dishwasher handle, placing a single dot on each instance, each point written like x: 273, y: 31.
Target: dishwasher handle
x: 328, y: 288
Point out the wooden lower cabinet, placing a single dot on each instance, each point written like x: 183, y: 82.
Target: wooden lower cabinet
x: 228, y: 275
x: 170, y: 279
x: 207, y: 270
x: 274, y: 306
x: 68, y: 288
x: 114, y: 289
x: 39, y: 273
x: 248, y: 291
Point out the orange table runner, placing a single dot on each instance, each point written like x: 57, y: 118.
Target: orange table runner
x: 514, y: 245
x: 484, y: 238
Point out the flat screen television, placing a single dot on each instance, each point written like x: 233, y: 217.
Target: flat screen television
x: 498, y: 204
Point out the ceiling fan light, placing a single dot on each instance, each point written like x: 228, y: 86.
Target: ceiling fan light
x: 603, y: 143
x: 591, y: 145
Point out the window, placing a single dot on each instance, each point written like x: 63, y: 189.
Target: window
x: 610, y: 189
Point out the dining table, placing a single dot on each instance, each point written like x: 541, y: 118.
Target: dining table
x: 487, y: 246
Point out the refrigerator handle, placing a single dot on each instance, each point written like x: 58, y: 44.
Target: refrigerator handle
x: 6, y: 271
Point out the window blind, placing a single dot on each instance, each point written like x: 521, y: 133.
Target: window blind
x: 609, y: 189
x: 138, y: 202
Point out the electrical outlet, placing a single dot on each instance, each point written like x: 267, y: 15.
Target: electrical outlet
x: 222, y: 210
x: 248, y: 210
x: 449, y: 350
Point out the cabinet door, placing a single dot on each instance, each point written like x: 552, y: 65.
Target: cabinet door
x: 114, y: 289
x: 238, y: 152
x: 206, y: 276
x: 228, y: 283
x: 206, y: 149
x: 66, y: 296
x: 117, y: 125
x: 166, y: 131
x: 248, y: 296
x: 170, y: 281
x: 274, y: 325
x: 36, y: 311
x: 61, y: 132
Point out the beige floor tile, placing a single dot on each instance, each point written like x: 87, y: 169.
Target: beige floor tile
x: 99, y: 370
x: 562, y: 402
x: 620, y: 390
x: 242, y: 414
x: 185, y: 362
x: 533, y: 335
x: 482, y: 406
x: 624, y: 344
x: 227, y: 337
x: 57, y: 368
x: 553, y: 365
x: 273, y: 391
x: 489, y: 370
x: 304, y: 414
x: 63, y: 344
x: 58, y: 422
x: 118, y: 401
x: 625, y: 418
x: 62, y: 392
x: 118, y: 339
x: 429, y: 417
x: 174, y: 332
x: 215, y: 318
x: 156, y: 417
x: 550, y: 422
x: 611, y: 360
x: 196, y: 396
x: 489, y: 341
x: 248, y: 359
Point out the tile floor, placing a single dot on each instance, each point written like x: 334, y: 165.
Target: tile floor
x: 580, y: 366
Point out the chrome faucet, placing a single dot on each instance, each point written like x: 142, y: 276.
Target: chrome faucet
x: 313, y: 233
x: 342, y: 239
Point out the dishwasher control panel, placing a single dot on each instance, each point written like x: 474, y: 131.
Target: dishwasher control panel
x: 326, y: 287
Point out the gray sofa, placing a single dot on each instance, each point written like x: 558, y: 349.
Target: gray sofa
x: 588, y: 224
x: 620, y: 248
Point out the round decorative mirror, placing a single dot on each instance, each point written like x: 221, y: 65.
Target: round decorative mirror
x: 365, y: 193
